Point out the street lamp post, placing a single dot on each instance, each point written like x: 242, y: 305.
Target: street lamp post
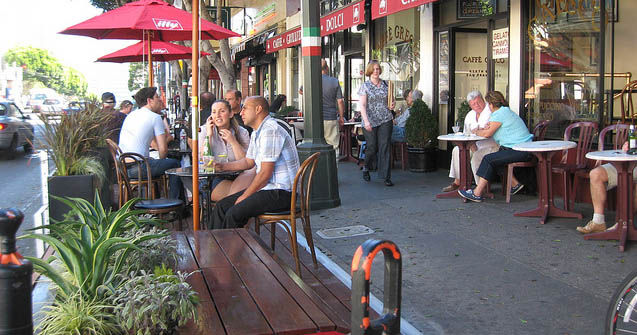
x: 325, y: 184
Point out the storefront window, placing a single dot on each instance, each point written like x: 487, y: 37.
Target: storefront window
x: 397, y: 47
x: 563, y: 55
x: 296, y: 101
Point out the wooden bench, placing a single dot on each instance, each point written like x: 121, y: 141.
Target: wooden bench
x: 244, y: 289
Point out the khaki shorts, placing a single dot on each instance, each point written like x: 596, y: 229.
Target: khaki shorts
x: 612, y: 175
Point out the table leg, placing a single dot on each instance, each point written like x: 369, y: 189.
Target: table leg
x: 625, y: 228
x: 347, y: 132
x: 546, y: 208
x: 465, y: 179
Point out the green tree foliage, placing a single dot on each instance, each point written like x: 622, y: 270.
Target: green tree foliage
x: 137, y: 77
x: 41, y: 67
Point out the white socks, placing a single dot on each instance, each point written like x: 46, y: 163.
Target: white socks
x: 598, y: 218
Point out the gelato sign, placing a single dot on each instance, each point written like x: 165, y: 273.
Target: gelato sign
x: 500, y: 40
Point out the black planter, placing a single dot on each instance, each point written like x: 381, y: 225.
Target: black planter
x: 422, y: 159
x: 69, y: 186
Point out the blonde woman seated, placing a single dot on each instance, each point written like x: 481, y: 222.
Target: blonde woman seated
x: 229, y: 139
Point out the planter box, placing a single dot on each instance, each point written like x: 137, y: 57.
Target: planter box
x: 69, y: 186
x: 422, y: 159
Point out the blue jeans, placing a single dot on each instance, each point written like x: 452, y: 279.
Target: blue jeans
x: 491, y: 162
x: 379, y: 147
x: 157, y: 169
x: 398, y: 134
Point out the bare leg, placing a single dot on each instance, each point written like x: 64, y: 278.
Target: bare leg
x: 221, y: 191
x: 482, y: 184
x: 599, y: 178
x: 243, y: 181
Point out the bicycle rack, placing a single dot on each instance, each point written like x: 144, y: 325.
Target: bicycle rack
x: 389, y: 322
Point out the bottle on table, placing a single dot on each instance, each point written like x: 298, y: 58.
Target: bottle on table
x: 183, y: 144
x: 632, y: 141
x: 208, y: 158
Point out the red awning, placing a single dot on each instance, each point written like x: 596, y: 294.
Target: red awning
x: 344, y: 18
x: 382, y: 8
x: 288, y: 39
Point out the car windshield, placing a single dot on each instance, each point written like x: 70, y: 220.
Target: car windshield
x: 51, y: 102
x: 39, y: 97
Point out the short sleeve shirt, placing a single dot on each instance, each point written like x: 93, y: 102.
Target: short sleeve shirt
x: 139, y: 129
x: 377, y: 111
x: 471, y: 123
x: 331, y: 94
x: 512, y: 130
x: 271, y: 143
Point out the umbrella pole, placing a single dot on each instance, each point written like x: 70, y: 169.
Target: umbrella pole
x: 150, y: 60
x: 195, y: 115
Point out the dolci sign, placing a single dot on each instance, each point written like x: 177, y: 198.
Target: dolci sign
x: 342, y: 19
x: 500, y: 40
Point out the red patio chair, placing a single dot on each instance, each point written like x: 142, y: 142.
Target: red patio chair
x: 620, y: 135
x: 565, y: 169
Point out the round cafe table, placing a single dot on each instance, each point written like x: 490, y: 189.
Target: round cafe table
x: 625, y: 227
x: 544, y: 150
x: 185, y: 174
x: 346, y: 133
x: 466, y: 175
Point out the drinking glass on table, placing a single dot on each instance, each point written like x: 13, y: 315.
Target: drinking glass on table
x: 456, y: 128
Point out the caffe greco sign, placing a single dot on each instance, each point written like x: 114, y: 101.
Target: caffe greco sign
x: 288, y: 39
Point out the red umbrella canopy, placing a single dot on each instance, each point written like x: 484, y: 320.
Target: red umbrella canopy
x: 130, y: 21
x: 138, y: 52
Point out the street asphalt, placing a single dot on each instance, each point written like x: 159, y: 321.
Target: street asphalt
x: 474, y: 268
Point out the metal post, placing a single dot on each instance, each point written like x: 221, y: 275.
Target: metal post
x: 195, y: 115
x: 325, y: 190
x: 389, y: 322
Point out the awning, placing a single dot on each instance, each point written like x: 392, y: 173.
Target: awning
x: 382, y: 8
x: 344, y: 18
x: 253, y: 47
x: 213, y: 75
x: 288, y: 39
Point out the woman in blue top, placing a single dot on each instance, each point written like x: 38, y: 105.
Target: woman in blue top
x: 507, y: 129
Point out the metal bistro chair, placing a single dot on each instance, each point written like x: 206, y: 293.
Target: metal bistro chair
x: 144, y: 188
x: 298, y: 210
x: 564, y: 168
x: 538, y: 135
x: 619, y: 134
x: 116, y: 152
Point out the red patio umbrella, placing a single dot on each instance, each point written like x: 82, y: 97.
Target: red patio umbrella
x: 152, y: 20
x: 138, y: 52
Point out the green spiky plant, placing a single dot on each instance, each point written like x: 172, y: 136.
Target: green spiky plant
x: 71, y: 141
x: 86, y: 247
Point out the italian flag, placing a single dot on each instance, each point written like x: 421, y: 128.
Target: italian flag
x: 311, y: 41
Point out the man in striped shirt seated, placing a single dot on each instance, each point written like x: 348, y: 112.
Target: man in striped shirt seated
x: 274, y: 153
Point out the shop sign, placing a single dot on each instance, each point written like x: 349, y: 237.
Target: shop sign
x: 288, y: 39
x: 468, y: 9
x: 342, y: 19
x: 382, y: 8
x: 500, y: 40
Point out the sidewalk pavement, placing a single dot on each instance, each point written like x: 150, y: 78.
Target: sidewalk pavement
x: 474, y: 268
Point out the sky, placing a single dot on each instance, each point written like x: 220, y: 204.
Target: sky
x: 36, y: 23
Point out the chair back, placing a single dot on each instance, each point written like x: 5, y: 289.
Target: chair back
x: 115, y: 152
x: 143, y: 180
x: 626, y: 101
x: 620, y: 136
x: 303, y: 184
x: 288, y: 127
x: 540, y: 130
x: 584, y: 142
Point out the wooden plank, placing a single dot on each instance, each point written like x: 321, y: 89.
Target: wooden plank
x: 326, y: 319
x: 238, y: 311
x: 185, y: 259
x: 283, y: 313
x: 206, y: 250
x: 209, y: 319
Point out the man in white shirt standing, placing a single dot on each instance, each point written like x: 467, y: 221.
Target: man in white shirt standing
x: 478, y: 117
x: 273, y: 152
x: 144, y: 125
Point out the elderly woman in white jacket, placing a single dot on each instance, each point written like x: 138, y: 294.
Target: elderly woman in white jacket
x: 477, y: 118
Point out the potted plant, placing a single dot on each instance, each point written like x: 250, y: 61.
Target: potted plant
x: 286, y: 111
x: 421, y: 131
x: 76, y: 145
x: 463, y: 109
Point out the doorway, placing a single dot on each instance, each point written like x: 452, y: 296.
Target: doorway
x: 355, y: 70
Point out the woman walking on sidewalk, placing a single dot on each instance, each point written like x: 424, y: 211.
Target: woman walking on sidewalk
x: 377, y: 122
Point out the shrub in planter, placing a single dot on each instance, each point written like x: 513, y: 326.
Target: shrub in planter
x: 155, y: 303
x: 152, y: 252
x: 463, y: 110
x: 421, y: 130
x: 286, y: 111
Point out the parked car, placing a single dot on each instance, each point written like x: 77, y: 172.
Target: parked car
x: 35, y: 103
x: 15, y: 130
x: 52, y: 107
x: 74, y: 107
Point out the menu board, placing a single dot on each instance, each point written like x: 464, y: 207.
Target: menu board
x: 468, y: 9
